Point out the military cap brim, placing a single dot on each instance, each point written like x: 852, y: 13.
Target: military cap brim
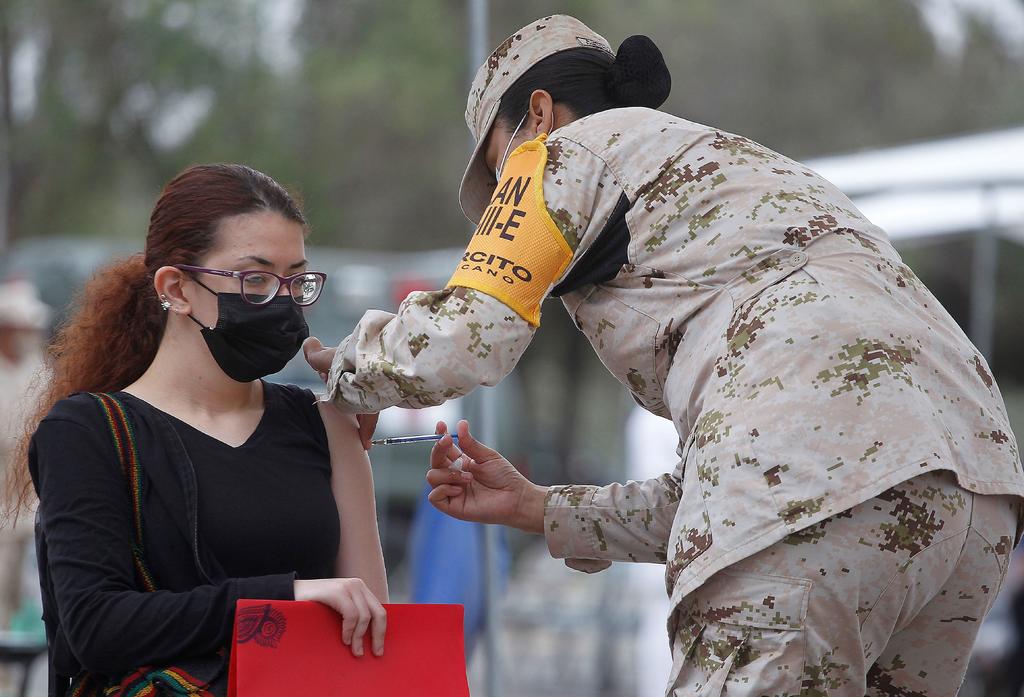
x: 506, y: 64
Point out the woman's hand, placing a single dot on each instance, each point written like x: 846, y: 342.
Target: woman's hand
x: 476, y: 483
x: 358, y: 607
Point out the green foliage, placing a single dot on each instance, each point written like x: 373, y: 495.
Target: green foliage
x: 367, y: 123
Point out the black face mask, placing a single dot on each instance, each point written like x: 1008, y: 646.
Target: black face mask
x: 254, y: 341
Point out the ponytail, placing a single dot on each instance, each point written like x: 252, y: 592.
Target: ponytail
x: 113, y: 335
x: 107, y: 344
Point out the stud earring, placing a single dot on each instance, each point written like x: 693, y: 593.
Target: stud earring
x: 165, y: 303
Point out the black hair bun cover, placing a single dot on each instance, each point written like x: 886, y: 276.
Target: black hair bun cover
x: 639, y: 76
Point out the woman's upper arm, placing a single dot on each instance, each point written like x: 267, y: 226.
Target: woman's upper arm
x: 359, y: 552
x: 83, y: 509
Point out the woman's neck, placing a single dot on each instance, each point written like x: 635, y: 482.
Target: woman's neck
x: 184, y: 374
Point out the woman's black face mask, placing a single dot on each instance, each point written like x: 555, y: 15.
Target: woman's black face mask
x: 254, y: 341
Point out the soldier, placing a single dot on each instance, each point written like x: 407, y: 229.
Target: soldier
x: 848, y: 488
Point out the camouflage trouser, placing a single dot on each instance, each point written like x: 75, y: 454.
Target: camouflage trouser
x: 883, y: 599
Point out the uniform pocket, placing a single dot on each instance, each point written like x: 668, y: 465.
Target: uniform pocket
x: 740, y: 634
x: 625, y: 340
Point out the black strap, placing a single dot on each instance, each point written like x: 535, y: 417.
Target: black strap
x: 605, y: 257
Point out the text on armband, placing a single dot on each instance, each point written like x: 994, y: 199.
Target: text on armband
x: 511, y: 192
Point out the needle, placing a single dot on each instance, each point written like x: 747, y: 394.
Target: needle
x: 414, y: 439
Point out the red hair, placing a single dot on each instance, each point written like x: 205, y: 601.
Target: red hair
x: 115, y: 329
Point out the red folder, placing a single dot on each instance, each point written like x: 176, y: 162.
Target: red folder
x: 294, y: 648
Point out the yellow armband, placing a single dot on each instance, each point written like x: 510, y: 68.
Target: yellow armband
x: 517, y: 251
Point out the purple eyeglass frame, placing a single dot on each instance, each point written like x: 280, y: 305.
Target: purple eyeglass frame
x: 240, y: 275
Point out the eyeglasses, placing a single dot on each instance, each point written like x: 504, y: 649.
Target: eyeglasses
x: 260, y: 287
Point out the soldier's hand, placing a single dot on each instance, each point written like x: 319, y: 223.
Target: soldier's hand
x: 318, y: 356
x: 487, y: 488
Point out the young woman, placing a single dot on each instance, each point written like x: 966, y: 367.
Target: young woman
x: 848, y: 490
x: 190, y: 483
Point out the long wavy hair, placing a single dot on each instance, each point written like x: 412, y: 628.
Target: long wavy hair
x: 116, y: 326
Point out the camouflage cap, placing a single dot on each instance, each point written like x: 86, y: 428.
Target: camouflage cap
x: 509, y: 61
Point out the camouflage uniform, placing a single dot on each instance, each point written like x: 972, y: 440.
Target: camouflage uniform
x: 807, y: 616
x: 739, y: 294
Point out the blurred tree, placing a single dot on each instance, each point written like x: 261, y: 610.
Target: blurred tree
x: 104, y: 100
x: 100, y: 97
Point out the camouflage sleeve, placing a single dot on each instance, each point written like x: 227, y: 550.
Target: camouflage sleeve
x: 440, y: 345
x: 618, y: 522
x: 581, y: 194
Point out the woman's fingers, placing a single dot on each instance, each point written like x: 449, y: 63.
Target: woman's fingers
x: 349, y: 617
x: 362, y: 622
x: 358, y: 606
x: 378, y: 625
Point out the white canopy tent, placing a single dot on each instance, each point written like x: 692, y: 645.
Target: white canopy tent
x: 938, y: 187
x: 970, y: 184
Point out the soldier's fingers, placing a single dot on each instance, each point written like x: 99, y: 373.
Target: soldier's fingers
x: 454, y: 453
x: 318, y: 357
x: 444, y: 453
x: 441, y: 496
x: 437, y: 477
x: 310, y: 345
x: 472, y: 447
x: 439, y: 453
x: 453, y: 450
x: 367, y: 426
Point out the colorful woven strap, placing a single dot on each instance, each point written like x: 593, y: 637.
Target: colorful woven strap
x: 144, y: 681
x: 158, y: 681
x: 87, y: 685
x: 124, y: 441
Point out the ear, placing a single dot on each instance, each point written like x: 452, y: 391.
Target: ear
x: 169, y: 284
x: 541, y: 118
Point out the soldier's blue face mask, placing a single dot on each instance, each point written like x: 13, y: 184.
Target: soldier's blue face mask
x: 501, y: 164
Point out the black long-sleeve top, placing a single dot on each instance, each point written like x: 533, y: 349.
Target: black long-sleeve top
x: 97, y: 617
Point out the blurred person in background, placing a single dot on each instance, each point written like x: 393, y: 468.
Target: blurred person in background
x: 172, y: 479
x: 848, y: 489
x: 24, y: 321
